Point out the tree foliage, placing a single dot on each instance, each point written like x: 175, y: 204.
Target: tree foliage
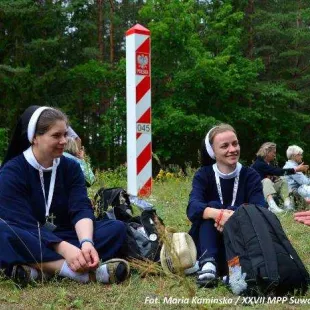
x: 245, y: 62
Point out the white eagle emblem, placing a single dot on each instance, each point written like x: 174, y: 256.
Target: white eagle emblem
x: 143, y: 61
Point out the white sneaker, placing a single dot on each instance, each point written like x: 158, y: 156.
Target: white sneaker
x: 289, y: 204
x: 273, y: 206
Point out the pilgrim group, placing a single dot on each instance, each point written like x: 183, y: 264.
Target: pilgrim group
x: 47, y: 223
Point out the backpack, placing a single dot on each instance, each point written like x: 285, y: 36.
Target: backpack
x: 143, y: 239
x: 106, y: 199
x: 255, y: 241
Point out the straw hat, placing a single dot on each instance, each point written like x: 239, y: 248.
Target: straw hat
x: 178, y: 253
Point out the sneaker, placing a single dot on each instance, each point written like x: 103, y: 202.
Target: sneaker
x: 118, y: 270
x: 273, y: 206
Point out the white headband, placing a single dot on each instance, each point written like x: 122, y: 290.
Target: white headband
x: 33, y: 122
x: 208, y: 145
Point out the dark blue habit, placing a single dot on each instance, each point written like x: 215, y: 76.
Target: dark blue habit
x: 265, y: 170
x: 23, y: 240
x: 204, y: 193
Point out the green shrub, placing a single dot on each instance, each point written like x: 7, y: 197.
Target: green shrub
x: 3, y: 142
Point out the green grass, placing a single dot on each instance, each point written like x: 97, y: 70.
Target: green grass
x: 170, y: 198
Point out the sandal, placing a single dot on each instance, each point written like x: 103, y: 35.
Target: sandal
x: 207, y: 282
x: 21, y: 275
x: 118, y: 270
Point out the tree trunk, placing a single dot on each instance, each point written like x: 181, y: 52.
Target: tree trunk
x: 100, y: 29
x: 249, y: 11
x: 298, y: 25
x: 111, y: 32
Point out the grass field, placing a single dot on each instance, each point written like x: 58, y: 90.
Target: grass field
x: 170, y: 196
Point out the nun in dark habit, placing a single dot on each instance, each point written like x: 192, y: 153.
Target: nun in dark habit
x: 47, y: 224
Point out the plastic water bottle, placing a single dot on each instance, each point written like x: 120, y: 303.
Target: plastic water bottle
x: 142, y: 204
x: 142, y: 231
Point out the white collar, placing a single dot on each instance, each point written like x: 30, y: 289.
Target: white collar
x: 230, y: 175
x: 29, y: 156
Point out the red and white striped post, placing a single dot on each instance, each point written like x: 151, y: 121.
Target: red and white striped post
x: 139, y: 131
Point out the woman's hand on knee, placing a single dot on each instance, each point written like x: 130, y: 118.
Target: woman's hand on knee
x: 90, y: 255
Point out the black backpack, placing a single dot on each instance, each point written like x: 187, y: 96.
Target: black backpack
x: 106, y: 199
x: 254, y: 239
x: 143, y: 238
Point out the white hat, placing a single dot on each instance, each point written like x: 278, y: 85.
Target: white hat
x: 178, y: 253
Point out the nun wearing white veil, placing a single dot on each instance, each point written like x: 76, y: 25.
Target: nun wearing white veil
x: 47, y: 224
x: 219, y: 187
x: 20, y: 141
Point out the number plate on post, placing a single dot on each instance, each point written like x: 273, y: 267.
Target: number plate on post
x: 144, y: 128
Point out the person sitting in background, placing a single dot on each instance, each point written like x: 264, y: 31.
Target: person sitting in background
x: 297, y: 182
x: 217, y: 190
x: 72, y: 134
x: 72, y: 151
x: 273, y: 186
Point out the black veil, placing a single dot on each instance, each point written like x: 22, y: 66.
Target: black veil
x: 19, y: 141
x: 205, y: 159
